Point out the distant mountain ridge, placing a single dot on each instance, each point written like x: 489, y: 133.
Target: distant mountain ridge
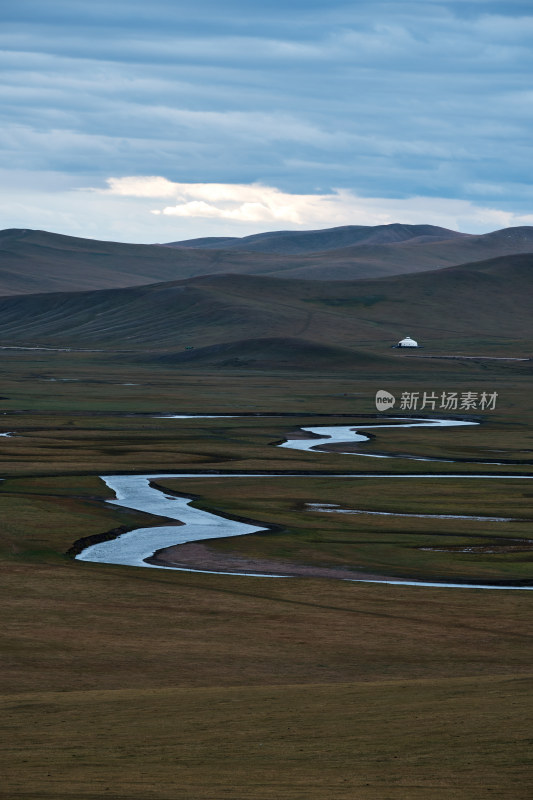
x: 37, y: 261
x: 304, y: 242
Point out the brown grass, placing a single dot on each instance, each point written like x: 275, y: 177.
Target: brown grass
x: 367, y: 740
x: 136, y: 683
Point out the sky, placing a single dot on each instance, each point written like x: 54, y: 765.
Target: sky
x: 167, y: 120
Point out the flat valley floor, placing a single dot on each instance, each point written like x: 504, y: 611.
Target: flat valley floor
x: 135, y: 683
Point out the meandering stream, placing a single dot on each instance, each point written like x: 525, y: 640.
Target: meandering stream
x: 133, y: 548
x: 347, y: 434
x: 194, y: 525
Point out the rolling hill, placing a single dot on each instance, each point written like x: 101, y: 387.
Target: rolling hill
x: 481, y: 308
x: 298, y: 242
x: 36, y: 261
x: 418, y: 255
x: 281, y: 352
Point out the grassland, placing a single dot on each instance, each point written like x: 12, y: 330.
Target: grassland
x: 401, y: 547
x: 136, y: 683
x: 123, y: 682
x: 369, y: 740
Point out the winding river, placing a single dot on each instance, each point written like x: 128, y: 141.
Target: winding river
x: 346, y: 434
x: 194, y: 525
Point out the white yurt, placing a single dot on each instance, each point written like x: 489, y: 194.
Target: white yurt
x: 407, y: 342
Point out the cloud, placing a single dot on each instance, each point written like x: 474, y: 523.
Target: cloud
x: 122, y: 211
x: 240, y: 203
x: 403, y: 100
x: 144, y: 186
x: 245, y: 203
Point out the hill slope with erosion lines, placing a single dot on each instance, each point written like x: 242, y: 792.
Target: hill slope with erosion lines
x: 414, y: 255
x: 36, y: 261
x: 485, y: 307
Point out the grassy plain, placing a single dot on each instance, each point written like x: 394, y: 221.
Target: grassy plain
x: 137, y: 683
x: 402, y: 547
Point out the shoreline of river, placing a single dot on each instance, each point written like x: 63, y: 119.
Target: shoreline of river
x: 168, y: 547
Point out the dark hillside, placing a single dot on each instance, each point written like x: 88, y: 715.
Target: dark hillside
x: 205, y: 242
x: 275, y: 353
x: 418, y: 255
x: 35, y: 261
x: 483, y: 307
x: 299, y: 242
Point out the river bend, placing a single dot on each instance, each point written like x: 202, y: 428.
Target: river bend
x: 194, y: 525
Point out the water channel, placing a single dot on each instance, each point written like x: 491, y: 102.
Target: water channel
x: 194, y: 525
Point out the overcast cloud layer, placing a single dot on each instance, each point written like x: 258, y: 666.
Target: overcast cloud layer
x: 161, y: 121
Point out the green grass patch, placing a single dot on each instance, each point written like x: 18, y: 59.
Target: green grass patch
x: 422, y: 548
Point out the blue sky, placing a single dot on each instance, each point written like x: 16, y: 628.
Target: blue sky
x: 160, y: 121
